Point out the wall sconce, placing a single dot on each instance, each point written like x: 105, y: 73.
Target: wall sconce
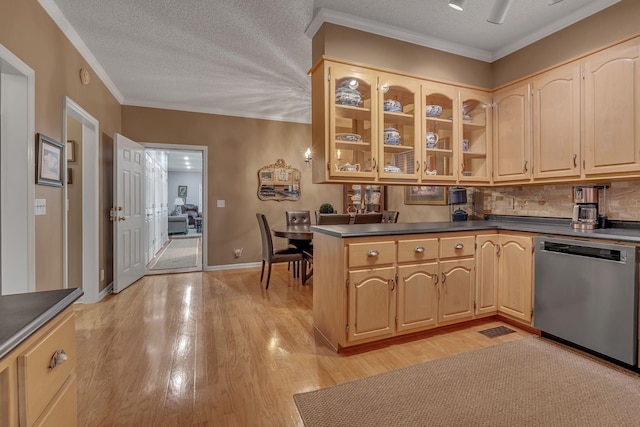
x: 307, y: 157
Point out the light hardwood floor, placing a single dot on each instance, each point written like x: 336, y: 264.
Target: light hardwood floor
x: 216, y: 349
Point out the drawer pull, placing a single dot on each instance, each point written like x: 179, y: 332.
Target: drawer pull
x: 373, y: 252
x: 459, y: 246
x: 419, y: 249
x: 58, y: 358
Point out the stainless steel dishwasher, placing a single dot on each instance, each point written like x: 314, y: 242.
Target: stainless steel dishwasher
x: 587, y: 293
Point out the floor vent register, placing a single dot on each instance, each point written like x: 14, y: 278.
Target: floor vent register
x: 496, y: 332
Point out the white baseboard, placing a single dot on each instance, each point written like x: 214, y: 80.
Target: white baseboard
x: 233, y: 266
x: 106, y: 291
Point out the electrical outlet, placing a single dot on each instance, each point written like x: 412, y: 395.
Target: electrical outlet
x: 102, y: 275
x: 237, y: 252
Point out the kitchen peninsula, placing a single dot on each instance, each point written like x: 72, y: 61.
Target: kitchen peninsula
x: 378, y: 281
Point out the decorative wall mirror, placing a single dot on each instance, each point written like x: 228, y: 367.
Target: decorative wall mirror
x: 278, y: 182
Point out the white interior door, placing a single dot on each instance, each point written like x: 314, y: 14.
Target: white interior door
x: 129, y: 212
x: 149, y: 210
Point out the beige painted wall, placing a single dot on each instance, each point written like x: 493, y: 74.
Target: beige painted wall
x: 238, y: 147
x: 613, y: 24
x: 357, y: 46
x: 28, y: 31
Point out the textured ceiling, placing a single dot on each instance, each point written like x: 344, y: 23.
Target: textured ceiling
x: 250, y: 58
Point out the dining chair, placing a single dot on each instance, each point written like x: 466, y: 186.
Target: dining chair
x: 307, y: 264
x: 332, y: 219
x: 367, y: 218
x: 300, y: 217
x: 390, y: 216
x: 271, y: 256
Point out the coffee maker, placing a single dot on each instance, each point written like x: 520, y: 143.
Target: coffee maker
x: 585, y: 211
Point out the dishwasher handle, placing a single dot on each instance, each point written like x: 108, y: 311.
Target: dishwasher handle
x: 608, y: 254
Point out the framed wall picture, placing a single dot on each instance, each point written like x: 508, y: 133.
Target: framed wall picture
x: 182, y: 191
x: 71, y: 151
x: 49, y: 156
x: 425, y: 195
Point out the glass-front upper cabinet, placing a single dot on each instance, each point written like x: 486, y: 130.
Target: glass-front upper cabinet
x: 399, y: 128
x: 475, y: 131
x: 440, y: 135
x: 352, y: 122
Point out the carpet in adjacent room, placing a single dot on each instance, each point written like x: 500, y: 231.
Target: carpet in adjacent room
x: 179, y: 253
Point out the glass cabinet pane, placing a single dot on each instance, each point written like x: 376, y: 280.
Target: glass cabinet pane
x: 399, y: 138
x: 440, y: 134
x: 475, y: 136
x: 352, y: 126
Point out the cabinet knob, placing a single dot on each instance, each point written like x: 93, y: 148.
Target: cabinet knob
x: 459, y: 246
x: 58, y: 358
x: 419, y: 249
x: 373, y: 252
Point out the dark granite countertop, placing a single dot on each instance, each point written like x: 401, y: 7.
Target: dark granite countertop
x: 551, y: 227
x: 23, y: 314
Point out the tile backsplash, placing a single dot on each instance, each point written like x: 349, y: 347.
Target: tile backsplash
x: 621, y: 201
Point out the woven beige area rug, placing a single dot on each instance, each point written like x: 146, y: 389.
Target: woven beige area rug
x: 179, y: 253
x: 528, y: 382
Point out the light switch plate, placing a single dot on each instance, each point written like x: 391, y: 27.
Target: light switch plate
x: 40, y: 207
x: 220, y: 203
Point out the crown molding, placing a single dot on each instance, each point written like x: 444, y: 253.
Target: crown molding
x: 65, y: 26
x: 553, y: 27
x: 346, y: 20
x: 304, y: 118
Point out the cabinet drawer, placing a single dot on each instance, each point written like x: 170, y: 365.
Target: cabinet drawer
x: 38, y: 383
x: 417, y: 250
x: 63, y: 410
x: 452, y: 247
x: 370, y: 254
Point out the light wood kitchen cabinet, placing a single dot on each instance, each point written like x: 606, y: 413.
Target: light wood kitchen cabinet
x: 440, y: 160
x: 398, y: 157
x: 457, y: 290
x: 612, y: 110
x: 487, y: 274
x: 418, y: 278
x: 556, y: 123
x: 38, y: 386
x: 372, y: 304
x: 457, y: 278
x: 515, y: 277
x: 512, y: 134
x: 474, y: 145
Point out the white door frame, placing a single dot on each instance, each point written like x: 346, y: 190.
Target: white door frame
x: 205, y: 192
x: 90, y: 202
x: 18, y: 263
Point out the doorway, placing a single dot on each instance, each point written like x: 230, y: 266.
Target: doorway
x: 81, y: 192
x: 17, y: 163
x: 175, y: 197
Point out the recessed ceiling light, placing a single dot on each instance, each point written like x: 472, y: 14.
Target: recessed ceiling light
x: 186, y: 157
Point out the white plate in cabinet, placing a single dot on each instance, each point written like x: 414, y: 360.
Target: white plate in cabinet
x: 417, y: 250
x: 371, y: 254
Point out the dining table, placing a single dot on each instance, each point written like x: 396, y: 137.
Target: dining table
x: 301, y: 232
